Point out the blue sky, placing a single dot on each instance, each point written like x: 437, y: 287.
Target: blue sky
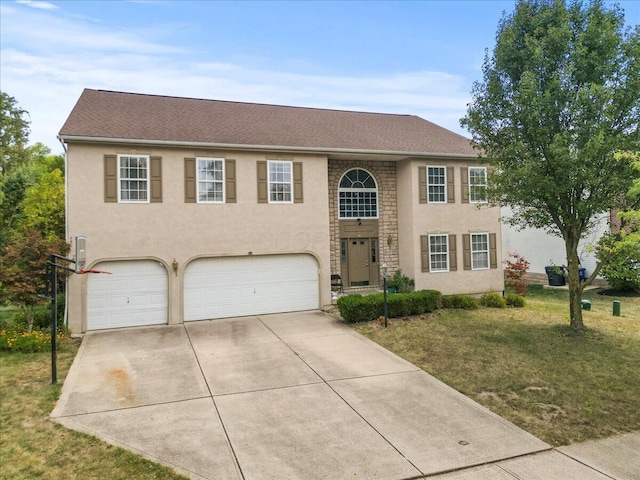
x: 414, y: 57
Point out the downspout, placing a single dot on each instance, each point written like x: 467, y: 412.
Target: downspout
x: 66, y: 229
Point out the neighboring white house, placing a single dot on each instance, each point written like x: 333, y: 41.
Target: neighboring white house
x: 541, y: 249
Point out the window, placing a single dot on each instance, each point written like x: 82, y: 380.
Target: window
x: 280, y: 182
x: 477, y: 184
x: 358, y: 195
x: 437, y: 184
x: 133, y: 178
x: 438, y: 253
x: 479, y: 251
x: 210, y: 180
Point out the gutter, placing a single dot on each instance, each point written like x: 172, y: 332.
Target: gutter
x: 66, y: 226
x: 239, y: 146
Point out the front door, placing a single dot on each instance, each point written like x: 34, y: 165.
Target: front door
x: 359, y: 258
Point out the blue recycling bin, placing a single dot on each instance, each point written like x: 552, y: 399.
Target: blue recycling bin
x: 582, y: 274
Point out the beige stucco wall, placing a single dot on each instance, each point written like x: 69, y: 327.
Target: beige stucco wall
x: 457, y: 218
x: 184, y: 231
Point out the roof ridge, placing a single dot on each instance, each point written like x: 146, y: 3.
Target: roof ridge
x: 342, y: 110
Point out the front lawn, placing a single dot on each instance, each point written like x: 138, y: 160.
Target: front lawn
x: 32, y: 446
x: 524, y: 364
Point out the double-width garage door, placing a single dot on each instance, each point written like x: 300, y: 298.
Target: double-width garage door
x: 135, y: 294
x: 238, y: 286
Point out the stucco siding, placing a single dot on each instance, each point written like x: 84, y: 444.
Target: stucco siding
x: 452, y: 219
x: 175, y: 229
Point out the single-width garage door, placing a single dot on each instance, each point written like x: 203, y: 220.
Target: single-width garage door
x: 134, y: 294
x: 239, y: 286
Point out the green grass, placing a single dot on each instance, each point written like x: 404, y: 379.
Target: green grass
x: 32, y: 446
x: 525, y: 365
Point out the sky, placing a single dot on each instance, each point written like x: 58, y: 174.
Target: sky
x: 406, y: 57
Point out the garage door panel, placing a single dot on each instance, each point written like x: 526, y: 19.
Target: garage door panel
x: 240, y: 286
x: 135, y: 294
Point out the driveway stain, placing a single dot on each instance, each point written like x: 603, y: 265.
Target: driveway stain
x: 122, y: 383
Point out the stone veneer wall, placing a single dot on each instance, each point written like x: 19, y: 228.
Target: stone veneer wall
x: 385, y: 175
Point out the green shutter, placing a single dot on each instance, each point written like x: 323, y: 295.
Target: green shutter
x: 453, y: 259
x: 190, y: 180
x: 451, y: 193
x: 297, y: 182
x: 230, y: 180
x: 493, y: 251
x: 156, y: 179
x: 111, y: 178
x: 466, y: 251
x: 464, y: 177
x: 422, y: 184
x: 263, y: 190
x: 424, y: 252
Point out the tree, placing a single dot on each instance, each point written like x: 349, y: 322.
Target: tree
x: 43, y: 206
x: 14, y: 132
x: 620, y: 250
x: 559, y: 97
x: 23, y: 268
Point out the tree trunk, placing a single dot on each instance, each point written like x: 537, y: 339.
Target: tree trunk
x: 575, y: 289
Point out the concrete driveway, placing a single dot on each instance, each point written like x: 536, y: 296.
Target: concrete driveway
x: 296, y: 395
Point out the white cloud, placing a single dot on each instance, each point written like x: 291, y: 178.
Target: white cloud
x: 48, y: 79
x: 37, y: 4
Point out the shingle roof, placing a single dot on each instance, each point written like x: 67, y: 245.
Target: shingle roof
x: 108, y: 115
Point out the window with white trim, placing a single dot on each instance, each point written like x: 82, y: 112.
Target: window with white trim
x: 479, y: 251
x: 478, y: 184
x: 210, y: 180
x: 280, y: 180
x: 133, y: 178
x: 439, y: 253
x: 357, y: 195
x: 437, y: 184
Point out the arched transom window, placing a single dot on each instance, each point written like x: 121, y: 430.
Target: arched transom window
x: 358, y: 195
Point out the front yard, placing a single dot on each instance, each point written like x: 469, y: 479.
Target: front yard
x: 523, y: 364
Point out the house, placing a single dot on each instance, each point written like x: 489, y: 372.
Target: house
x: 205, y: 209
x: 541, y: 249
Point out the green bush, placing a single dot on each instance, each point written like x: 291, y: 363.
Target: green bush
x: 459, y: 301
x: 493, y: 300
x: 515, y: 300
x: 401, y: 282
x: 622, y: 268
x: 358, y: 308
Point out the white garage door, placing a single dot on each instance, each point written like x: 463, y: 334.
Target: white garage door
x: 134, y: 294
x: 239, y: 286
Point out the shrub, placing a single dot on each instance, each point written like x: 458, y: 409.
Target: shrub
x: 459, y: 301
x: 358, y: 308
x: 514, y: 271
x: 622, y: 266
x: 401, y: 282
x: 493, y: 300
x: 515, y: 300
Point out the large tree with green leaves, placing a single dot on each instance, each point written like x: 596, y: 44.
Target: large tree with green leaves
x: 14, y: 132
x: 559, y: 96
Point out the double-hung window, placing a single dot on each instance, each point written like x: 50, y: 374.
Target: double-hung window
x: 439, y: 253
x: 210, y: 180
x: 479, y: 251
x: 478, y: 184
x: 280, y: 181
x: 437, y: 184
x: 133, y: 178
